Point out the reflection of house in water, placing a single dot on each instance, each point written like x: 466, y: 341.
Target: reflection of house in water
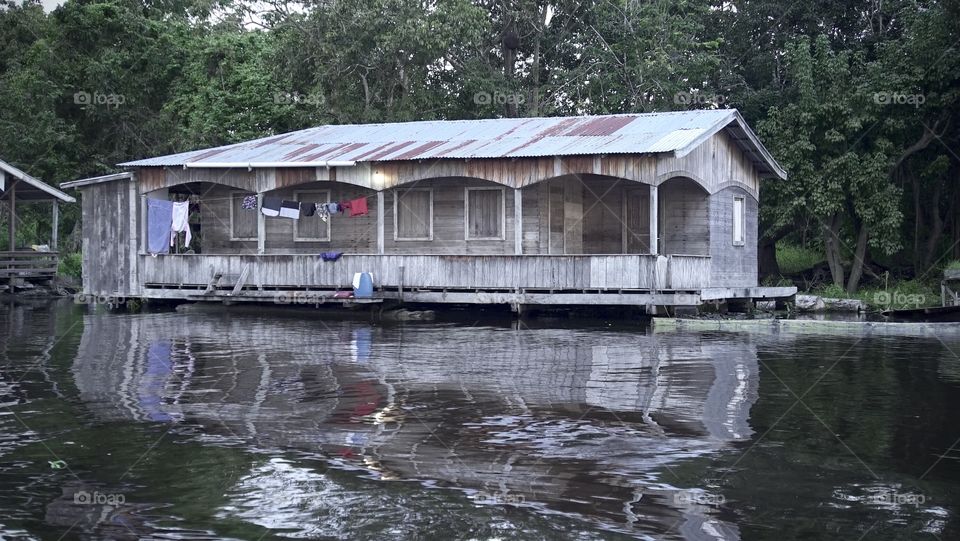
x: 585, y: 423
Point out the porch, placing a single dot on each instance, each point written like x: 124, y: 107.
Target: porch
x: 487, y: 279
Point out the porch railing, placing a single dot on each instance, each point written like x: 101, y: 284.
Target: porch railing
x: 506, y: 272
x: 28, y: 264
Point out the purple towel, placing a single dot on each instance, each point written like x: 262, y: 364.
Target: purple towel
x: 159, y: 221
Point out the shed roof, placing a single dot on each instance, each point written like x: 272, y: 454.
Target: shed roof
x: 30, y: 188
x: 345, y: 145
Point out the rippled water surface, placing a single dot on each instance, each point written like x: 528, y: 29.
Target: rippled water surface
x: 239, y: 425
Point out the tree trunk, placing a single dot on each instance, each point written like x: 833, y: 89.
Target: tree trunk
x: 831, y: 245
x: 856, y: 269
x: 767, y: 258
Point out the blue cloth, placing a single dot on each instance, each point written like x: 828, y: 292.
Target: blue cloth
x: 330, y: 256
x: 159, y: 221
x: 154, y: 380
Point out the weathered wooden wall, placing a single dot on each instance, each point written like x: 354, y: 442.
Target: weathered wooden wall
x: 110, y: 239
x: 613, y: 272
x: 448, y: 221
x: 684, y: 210
x: 732, y: 265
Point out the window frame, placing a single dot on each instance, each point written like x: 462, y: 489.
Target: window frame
x: 742, y: 216
x: 233, y: 237
x: 396, y: 216
x: 466, y: 211
x: 328, y: 223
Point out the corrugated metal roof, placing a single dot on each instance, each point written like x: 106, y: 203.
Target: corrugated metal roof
x: 460, y: 139
x: 33, y: 188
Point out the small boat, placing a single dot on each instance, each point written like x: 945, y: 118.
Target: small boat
x: 931, y: 314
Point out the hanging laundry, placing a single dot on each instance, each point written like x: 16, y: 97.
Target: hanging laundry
x: 358, y: 207
x: 344, y: 206
x: 310, y: 209
x: 290, y: 209
x: 330, y: 256
x: 249, y: 203
x: 159, y: 222
x: 333, y: 207
x: 323, y: 211
x: 181, y: 222
x: 271, y: 206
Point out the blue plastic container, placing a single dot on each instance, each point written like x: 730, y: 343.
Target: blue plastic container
x: 362, y: 285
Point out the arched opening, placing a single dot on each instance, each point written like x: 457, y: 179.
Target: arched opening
x: 450, y: 216
x: 684, y: 217
x: 590, y: 214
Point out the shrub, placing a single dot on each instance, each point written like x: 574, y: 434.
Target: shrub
x: 71, y: 265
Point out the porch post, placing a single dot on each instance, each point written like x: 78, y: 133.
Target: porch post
x: 12, y: 226
x: 380, y: 225
x: 54, y: 225
x: 654, y: 234
x: 144, y: 242
x: 517, y: 222
x: 261, y: 226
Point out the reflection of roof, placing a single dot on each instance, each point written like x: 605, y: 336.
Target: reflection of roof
x: 30, y: 188
x: 345, y: 145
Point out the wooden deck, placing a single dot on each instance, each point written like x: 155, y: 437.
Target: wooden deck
x: 28, y: 265
x: 569, y: 274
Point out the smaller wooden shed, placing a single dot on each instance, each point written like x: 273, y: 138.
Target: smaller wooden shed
x: 20, y: 261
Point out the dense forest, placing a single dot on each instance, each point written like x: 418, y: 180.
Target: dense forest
x: 857, y: 100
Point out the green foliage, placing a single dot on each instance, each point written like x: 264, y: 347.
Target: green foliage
x: 70, y: 265
x: 794, y: 259
x: 896, y: 295
x: 953, y: 265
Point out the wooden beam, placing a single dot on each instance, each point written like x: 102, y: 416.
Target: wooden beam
x: 12, y: 225
x: 654, y: 234
x: 54, y: 224
x: 261, y: 226
x: 517, y: 222
x: 380, y: 222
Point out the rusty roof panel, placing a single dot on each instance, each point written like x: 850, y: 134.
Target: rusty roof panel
x: 461, y: 139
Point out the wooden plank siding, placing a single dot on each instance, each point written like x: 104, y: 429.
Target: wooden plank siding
x: 509, y: 272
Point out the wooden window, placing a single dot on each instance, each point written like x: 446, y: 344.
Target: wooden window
x: 243, y: 222
x: 413, y: 214
x: 484, y: 213
x: 739, y: 210
x: 311, y: 228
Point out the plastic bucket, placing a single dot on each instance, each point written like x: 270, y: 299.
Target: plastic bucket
x: 362, y: 285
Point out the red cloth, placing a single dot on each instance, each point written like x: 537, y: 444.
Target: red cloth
x: 358, y: 207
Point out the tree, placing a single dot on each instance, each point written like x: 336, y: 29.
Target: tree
x: 839, y: 172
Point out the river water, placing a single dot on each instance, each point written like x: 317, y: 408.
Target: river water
x: 244, y: 425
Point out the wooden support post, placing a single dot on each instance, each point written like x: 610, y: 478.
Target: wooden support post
x: 380, y: 223
x: 654, y: 234
x: 144, y: 242
x: 12, y: 229
x: 261, y: 226
x: 517, y: 222
x: 54, y: 225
